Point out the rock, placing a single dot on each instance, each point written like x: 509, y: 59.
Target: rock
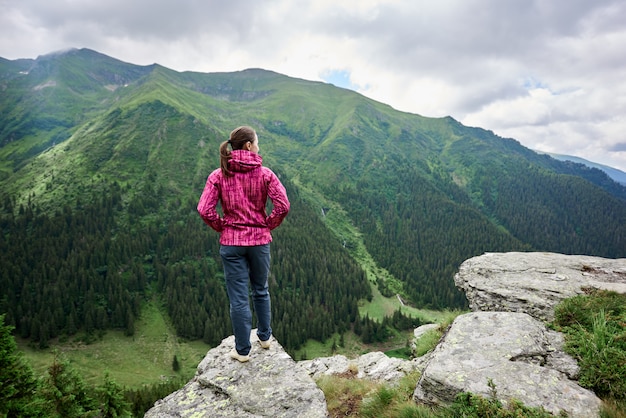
x: 381, y: 368
x: 269, y: 385
x: 326, y: 366
x: 375, y: 366
x: 535, y: 283
x: 513, y: 350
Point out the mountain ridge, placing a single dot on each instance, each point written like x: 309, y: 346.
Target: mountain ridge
x: 616, y: 174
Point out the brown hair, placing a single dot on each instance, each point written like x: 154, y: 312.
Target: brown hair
x: 238, y: 138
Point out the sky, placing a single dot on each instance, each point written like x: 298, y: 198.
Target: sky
x: 548, y: 73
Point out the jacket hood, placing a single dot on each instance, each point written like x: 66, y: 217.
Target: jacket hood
x: 243, y: 161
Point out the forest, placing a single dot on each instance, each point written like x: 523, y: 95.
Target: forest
x: 78, y: 271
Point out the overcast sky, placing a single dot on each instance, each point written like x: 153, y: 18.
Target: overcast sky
x: 549, y: 73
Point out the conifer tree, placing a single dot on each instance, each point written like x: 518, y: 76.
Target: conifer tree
x: 113, y: 404
x: 17, y: 381
x: 66, y: 391
x: 175, y: 364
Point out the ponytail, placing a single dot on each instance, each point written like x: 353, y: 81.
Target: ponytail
x: 224, y: 157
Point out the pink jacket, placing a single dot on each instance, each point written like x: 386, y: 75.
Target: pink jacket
x: 243, y: 198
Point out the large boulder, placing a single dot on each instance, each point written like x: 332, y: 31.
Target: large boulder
x: 535, y: 283
x: 513, y: 351
x: 269, y: 385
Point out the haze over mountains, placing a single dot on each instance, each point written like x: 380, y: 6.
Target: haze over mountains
x: 107, y: 160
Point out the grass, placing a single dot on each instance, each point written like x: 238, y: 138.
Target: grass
x: 132, y: 362
x: 348, y: 396
x: 427, y: 342
x: 595, y: 333
x: 380, y: 307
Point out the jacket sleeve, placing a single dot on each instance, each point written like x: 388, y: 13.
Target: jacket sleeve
x: 277, y: 193
x: 208, y: 203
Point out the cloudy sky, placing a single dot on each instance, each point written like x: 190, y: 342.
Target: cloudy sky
x: 549, y: 73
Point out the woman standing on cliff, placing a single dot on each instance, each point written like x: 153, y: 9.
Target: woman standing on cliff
x: 242, y: 185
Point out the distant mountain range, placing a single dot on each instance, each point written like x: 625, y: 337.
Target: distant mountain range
x: 102, y: 163
x: 617, y: 175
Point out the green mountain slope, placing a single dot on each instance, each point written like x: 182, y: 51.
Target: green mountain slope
x: 104, y: 161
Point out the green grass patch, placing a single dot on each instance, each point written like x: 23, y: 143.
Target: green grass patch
x: 350, y: 346
x: 595, y: 334
x: 132, y: 362
x: 347, y: 396
x: 470, y: 405
x: 402, y: 353
x: 380, y: 307
x: 427, y: 342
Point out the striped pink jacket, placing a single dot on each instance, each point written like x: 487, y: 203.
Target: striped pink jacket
x: 243, y: 198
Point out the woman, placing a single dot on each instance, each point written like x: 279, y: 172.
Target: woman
x: 242, y: 185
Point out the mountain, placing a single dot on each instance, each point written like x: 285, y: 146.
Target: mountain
x: 617, y: 175
x: 102, y: 163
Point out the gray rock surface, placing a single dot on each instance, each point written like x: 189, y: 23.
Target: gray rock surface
x: 326, y: 366
x: 517, y: 353
x: 535, y: 283
x: 269, y: 385
x: 375, y: 366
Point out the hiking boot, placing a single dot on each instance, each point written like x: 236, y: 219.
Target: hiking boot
x: 239, y: 357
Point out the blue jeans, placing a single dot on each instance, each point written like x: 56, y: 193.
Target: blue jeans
x: 243, y: 266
